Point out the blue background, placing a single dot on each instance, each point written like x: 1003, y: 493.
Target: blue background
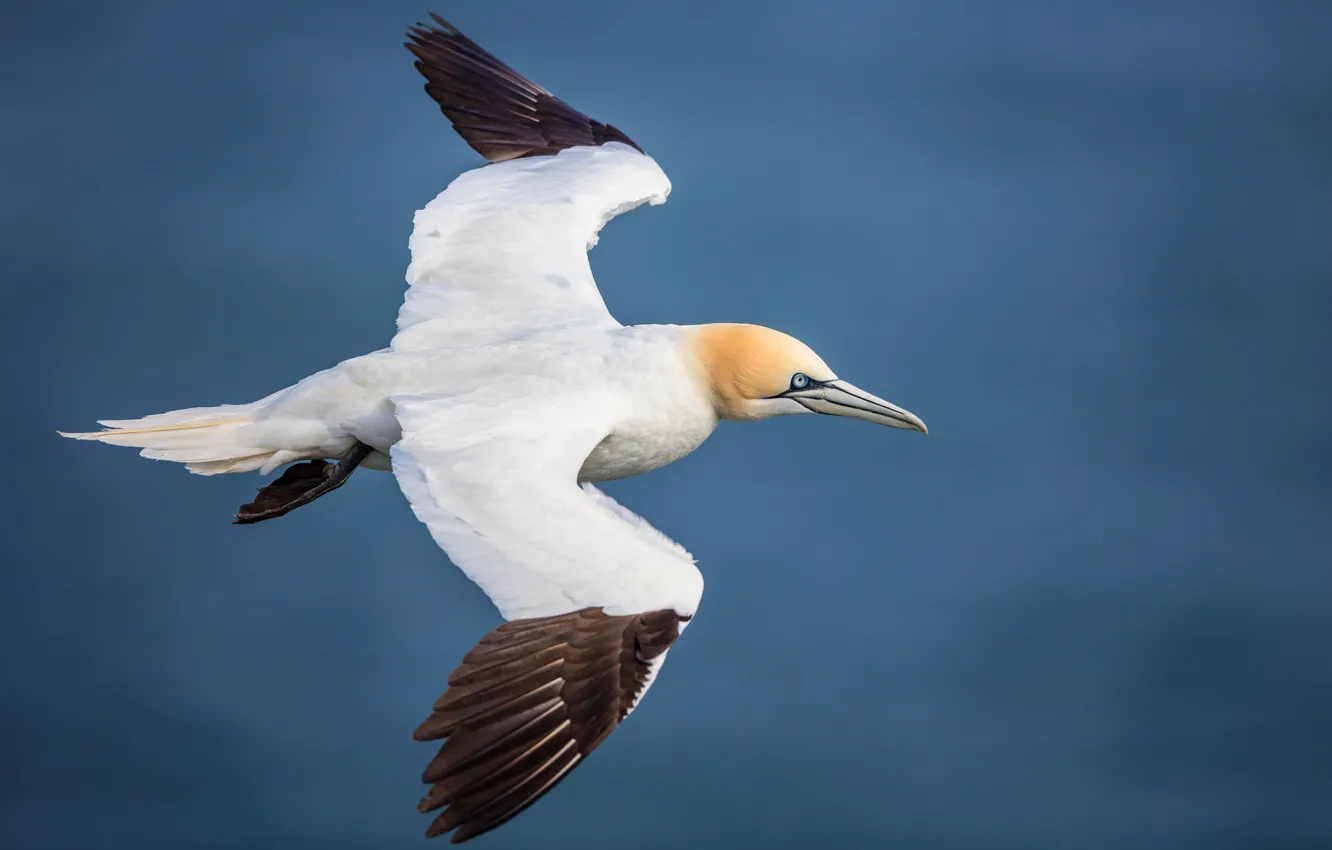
x: 1088, y: 242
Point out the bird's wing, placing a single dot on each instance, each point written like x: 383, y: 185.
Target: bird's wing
x: 493, y: 475
x: 600, y: 593
x: 503, y: 250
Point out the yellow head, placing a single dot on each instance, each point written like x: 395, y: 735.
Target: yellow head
x: 753, y: 372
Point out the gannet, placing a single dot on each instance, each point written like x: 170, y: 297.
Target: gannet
x: 506, y: 393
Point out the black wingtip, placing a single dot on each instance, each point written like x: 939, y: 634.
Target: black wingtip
x: 500, y: 113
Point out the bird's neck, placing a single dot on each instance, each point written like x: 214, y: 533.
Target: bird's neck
x: 728, y: 361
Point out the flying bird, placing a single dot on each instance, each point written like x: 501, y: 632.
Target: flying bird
x: 506, y: 393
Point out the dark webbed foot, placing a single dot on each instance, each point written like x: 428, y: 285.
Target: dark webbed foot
x: 300, y: 485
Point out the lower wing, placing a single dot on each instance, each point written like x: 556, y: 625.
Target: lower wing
x: 600, y: 596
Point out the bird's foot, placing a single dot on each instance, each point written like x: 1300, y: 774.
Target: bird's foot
x: 300, y: 485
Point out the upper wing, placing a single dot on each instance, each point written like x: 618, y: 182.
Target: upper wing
x: 504, y: 248
x: 603, y: 595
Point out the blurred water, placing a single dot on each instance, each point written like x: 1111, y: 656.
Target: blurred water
x: 1087, y: 242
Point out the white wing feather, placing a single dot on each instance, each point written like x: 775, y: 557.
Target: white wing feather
x: 495, y: 482
x: 503, y: 250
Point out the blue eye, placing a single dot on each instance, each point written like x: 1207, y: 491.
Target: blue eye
x: 799, y: 381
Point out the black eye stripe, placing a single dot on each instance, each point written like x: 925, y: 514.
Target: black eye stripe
x: 799, y: 386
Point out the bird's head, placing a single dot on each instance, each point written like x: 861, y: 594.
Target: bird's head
x: 753, y: 372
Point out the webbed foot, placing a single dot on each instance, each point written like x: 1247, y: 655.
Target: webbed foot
x: 300, y: 485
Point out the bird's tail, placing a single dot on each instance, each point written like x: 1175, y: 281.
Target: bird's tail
x: 208, y: 440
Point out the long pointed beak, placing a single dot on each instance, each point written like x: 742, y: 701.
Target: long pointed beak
x: 838, y: 398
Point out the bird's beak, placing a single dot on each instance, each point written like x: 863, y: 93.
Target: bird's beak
x: 839, y: 398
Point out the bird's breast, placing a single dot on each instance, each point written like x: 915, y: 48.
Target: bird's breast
x: 639, y: 447
x: 664, y: 416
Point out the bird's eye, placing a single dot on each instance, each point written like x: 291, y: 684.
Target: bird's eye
x: 799, y: 381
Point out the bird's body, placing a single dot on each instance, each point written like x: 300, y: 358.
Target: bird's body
x: 506, y: 391
x: 640, y: 383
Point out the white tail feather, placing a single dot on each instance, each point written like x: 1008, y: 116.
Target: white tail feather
x: 239, y: 464
x: 208, y: 440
